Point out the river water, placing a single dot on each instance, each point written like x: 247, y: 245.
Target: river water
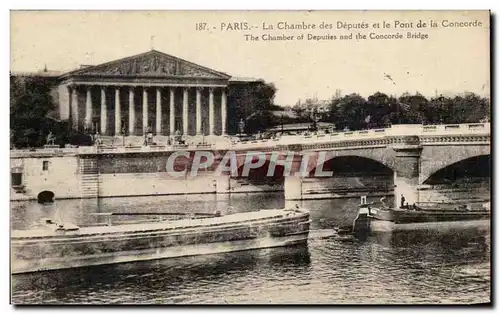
x: 418, y: 267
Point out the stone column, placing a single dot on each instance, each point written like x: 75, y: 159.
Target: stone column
x: 172, y: 111
x: 223, y: 111
x: 131, y: 111
x: 211, y: 114
x: 185, y: 120
x: 406, y: 170
x: 74, y: 107
x: 293, y: 188
x: 88, y: 108
x: 293, y: 177
x: 118, y: 113
x: 70, y: 107
x: 198, y: 110
x: 144, y: 110
x: 104, y: 112
x: 158, y: 111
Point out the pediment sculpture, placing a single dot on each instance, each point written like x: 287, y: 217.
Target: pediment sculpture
x: 146, y: 66
x: 152, y: 64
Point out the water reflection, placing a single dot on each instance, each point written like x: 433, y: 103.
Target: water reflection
x: 153, y: 277
x: 421, y: 266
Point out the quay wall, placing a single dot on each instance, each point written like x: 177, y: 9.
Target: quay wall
x: 150, y: 184
x: 479, y: 192
x: 347, y: 186
x: 71, y: 176
x: 57, y: 174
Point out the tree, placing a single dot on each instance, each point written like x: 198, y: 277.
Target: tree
x: 247, y: 99
x: 378, y: 107
x: 30, y: 103
x: 469, y: 108
x: 350, y: 111
x: 412, y: 108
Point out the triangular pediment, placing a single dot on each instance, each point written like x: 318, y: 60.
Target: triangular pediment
x: 152, y: 63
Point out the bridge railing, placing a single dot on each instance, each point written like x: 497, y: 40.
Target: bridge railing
x: 395, y: 130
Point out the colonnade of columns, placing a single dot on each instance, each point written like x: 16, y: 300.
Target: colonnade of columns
x: 118, y: 127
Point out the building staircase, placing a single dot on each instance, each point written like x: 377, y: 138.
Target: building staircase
x: 89, y: 177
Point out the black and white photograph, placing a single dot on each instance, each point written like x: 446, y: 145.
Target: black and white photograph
x: 250, y: 157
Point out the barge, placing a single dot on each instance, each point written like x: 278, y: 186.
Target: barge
x: 54, y: 245
x: 384, y: 219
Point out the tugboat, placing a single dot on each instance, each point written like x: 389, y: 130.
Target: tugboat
x: 360, y: 228
x: 56, y: 245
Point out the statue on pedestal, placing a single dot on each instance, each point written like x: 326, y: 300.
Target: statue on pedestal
x: 97, y: 139
x: 178, y: 137
x: 150, y: 135
x: 51, y: 139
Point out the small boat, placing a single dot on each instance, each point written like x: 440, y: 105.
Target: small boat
x: 424, y: 217
x: 360, y: 228
x: 54, y: 245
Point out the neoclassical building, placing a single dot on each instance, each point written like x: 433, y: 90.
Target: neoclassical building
x: 149, y: 92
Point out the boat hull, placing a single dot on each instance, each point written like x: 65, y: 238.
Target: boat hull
x: 388, y: 226
x: 393, y: 220
x: 20, y: 267
x: 81, y: 250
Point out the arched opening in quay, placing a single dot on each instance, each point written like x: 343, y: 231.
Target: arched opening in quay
x: 45, y: 197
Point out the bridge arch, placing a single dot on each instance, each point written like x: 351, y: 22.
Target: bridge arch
x: 260, y: 175
x: 436, y: 158
x: 472, y: 168
x: 381, y: 156
x: 353, y: 165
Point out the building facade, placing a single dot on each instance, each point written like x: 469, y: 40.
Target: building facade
x: 150, y: 92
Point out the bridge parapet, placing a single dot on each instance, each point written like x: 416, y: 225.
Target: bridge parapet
x: 468, y: 128
x: 428, y: 134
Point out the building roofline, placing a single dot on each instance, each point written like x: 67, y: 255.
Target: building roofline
x: 85, y: 69
x: 54, y: 74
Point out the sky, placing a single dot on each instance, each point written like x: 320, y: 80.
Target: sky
x: 451, y: 60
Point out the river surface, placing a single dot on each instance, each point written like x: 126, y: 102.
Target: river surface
x: 418, y: 267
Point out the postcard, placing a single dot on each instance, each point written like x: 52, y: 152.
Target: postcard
x: 250, y: 157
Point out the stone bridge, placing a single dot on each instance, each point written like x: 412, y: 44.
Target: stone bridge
x: 414, y: 154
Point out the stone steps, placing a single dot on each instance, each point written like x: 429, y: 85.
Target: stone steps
x: 89, y: 182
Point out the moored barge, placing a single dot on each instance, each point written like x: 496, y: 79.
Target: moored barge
x: 58, y: 246
x: 415, y: 217
x: 373, y: 217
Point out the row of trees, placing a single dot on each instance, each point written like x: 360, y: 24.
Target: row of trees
x: 355, y: 112
x: 380, y: 110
